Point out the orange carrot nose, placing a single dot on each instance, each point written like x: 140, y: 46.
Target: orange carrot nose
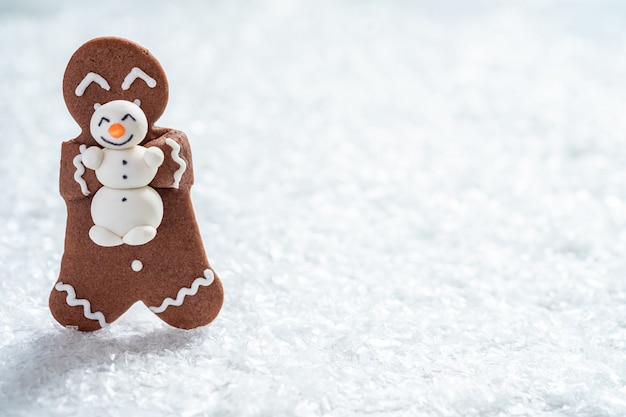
x: 116, y: 130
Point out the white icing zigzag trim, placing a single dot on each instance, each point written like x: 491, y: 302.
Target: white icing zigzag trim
x: 91, y: 77
x: 180, y: 161
x: 183, y: 292
x: 72, y: 301
x: 80, y: 170
x: 137, y: 73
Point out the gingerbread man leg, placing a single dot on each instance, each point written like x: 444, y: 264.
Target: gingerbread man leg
x: 87, y: 305
x: 71, y: 309
x: 194, y: 305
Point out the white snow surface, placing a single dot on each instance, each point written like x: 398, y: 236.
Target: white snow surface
x: 417, y: 208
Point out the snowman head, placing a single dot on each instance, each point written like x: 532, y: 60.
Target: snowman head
x: 118, y: 124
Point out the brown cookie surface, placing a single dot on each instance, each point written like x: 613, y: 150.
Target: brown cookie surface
x: 170, y: 273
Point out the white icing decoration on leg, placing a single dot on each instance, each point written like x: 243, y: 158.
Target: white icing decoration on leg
x: 136, y: 265
x: 72, y: 301
x: 137, y: 102
x: 183, y: 292
x: 137, y: 73
x: 180, y: 161
x: 91, y: 77
x: 80, y: 170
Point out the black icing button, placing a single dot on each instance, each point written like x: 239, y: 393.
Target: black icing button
x: 124, y: 162
x: 125, y: 176
x: 124, y: 199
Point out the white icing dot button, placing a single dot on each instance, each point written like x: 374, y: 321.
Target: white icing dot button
x: 136, y: 265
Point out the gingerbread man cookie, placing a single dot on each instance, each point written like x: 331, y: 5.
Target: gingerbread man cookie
x: 125, y: 209
x: 131, y: 231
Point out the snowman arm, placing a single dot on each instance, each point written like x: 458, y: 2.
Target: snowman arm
x: 75, y: 182
x: 153, y: 157
x: 92, y: 157
x: 177, y: 168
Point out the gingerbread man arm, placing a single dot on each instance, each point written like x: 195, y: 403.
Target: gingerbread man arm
x: 177, y: 169
x: 75, y: 181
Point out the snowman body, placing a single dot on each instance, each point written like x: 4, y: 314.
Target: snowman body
x: 125, y: 201
x: 125, y: 168
x: 120, y: 211
x: 125, y: 209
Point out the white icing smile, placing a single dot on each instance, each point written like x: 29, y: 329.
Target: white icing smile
x: 118, y: 124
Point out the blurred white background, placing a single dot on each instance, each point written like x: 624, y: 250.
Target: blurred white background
x: 416, y: 208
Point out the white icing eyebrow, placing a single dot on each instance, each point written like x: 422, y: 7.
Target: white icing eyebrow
x: 91, y: 77
x: 137, y: 73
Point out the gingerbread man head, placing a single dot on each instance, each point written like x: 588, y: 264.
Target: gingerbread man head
x: 107, y: 69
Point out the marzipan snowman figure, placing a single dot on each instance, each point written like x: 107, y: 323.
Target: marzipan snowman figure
x: 116, y: 257
x: 125, y: 209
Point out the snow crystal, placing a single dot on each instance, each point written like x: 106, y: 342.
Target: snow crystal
x: 416, y: 208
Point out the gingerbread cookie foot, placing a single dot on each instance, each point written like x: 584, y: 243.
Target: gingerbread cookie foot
x: 74, y: 312
x: 193, y: 306
x: 103, y: 237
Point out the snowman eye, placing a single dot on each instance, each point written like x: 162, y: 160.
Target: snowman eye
x: 127, y: 116
x: 102, y: 120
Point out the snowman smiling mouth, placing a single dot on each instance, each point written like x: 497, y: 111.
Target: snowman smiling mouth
x: 117, y: 144
x: 116, y: 131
